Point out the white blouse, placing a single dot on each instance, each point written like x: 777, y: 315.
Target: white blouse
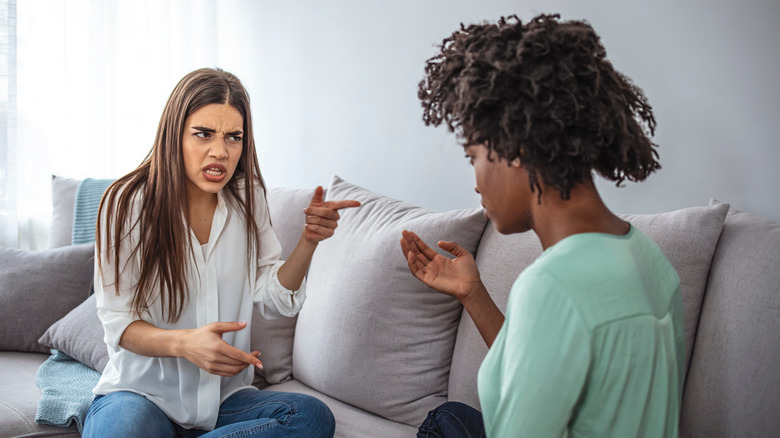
x: 221, y: 288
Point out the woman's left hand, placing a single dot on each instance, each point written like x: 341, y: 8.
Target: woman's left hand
x: 322, y: 216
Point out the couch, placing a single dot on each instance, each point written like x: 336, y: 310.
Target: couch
x: 381, y: 349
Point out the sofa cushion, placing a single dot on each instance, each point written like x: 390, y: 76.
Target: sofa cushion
x: 733, y: 384
x: 19, y: 397
x: 273, y: 338
x: 39, y: 287
x: 371, y: 334
x: 79, y: 334
x: 687, y: 237
x: 352, y: 422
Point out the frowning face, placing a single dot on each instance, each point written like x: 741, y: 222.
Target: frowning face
x: 211, y: 146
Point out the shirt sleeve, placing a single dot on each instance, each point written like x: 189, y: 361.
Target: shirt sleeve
x: 271, y: 298
x: 545, y: 361
x: 114, y: 303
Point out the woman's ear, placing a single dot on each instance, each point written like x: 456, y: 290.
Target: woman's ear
x: 516, y: 163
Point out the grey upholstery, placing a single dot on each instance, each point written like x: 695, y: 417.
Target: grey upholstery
x: 19, y: 397
x: 733, y: 386
x: 730, y: 279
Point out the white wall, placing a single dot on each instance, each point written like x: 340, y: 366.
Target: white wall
x: 334, y: 92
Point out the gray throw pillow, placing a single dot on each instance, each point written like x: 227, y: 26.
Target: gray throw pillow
x: 39, y: 287
x: 273, y: 338
x: 79, y: 334
x: 370, y: 334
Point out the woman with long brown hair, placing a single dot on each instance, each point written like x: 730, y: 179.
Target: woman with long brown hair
x: 184, y: 252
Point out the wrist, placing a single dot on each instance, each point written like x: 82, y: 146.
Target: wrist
x: 311, y: 244
x: 477, y: 292
x: 179, y: 343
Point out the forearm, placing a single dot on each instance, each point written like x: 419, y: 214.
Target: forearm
x: 485, y: 314
x: 292, y: 272
x: 145, y: 339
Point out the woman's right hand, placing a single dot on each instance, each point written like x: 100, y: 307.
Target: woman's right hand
x: 457, y: 277
x: 205, y: 348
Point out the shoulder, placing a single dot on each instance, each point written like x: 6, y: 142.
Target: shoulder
x: 541, y: 307
x: 123, y: 197
x: 538, y: 292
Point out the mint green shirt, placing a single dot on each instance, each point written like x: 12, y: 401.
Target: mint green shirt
x: 592, y: 344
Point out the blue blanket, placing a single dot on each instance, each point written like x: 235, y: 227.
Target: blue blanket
x: 85, y: 211
x: 67, y: 384
x: 67, y: 390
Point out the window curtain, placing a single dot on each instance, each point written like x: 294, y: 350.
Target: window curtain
x: 8, y: 219
x: 87, y: 81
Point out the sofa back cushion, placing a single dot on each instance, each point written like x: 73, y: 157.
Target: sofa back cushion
x: 687, y: 237
x: 733, y: 385
x: 273, y: 338
x: 370, y: 334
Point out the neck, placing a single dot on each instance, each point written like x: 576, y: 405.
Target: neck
x: 554, y: 219
x: 201, y: 205
x: 201, y: 214
x: 201, y: 200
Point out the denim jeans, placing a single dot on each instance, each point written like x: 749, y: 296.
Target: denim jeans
x: 452, y: 420
x: 247, y: 413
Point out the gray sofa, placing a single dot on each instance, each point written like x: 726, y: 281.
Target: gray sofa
x: 381, y: 349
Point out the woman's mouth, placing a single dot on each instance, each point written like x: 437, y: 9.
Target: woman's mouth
x: 215, y: 172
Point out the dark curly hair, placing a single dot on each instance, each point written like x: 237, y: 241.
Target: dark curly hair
x: 545, y: 93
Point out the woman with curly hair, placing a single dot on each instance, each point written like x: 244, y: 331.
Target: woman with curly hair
x: 592, y: 343
x: 184, y: 253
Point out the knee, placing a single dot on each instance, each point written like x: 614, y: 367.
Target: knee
x: 450, y: 406
x: 452, y: 419
x: 125, y: 411
x: 315, y: 416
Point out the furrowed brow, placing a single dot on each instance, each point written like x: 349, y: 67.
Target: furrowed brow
x: 201, y: 128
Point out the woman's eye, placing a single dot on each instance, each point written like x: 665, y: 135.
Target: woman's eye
x: 201, y: 134
x: 235, y: 138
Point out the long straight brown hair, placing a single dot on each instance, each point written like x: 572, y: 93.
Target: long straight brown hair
x: 160, y: 180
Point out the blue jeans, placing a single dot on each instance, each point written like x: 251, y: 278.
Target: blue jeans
x: 247, y: 413
x: 452, y: 420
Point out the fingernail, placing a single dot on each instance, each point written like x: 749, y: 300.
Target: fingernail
x: 306, y: 210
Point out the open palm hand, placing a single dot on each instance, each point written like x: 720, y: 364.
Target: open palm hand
x: 456, y: 277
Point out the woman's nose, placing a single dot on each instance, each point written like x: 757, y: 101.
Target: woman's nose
x: 218, y: 149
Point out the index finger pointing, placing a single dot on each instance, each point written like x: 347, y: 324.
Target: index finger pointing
x: 338, y: 205
x: 242, y: 356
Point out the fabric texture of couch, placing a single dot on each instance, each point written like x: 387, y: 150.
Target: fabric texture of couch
x: 381, y: 349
